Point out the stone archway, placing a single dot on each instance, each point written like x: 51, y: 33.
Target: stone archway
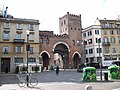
x: 76, y: 59
x: 45, y: 60
x: 63, y: 55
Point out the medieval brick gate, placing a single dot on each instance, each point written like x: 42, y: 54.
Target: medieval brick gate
x: 61, y: 55
x: 65, y: 49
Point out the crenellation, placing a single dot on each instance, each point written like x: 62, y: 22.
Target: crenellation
x: 61, y: 36
x: 75, y: 15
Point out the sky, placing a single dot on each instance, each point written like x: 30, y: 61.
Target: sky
x: 48, y: 12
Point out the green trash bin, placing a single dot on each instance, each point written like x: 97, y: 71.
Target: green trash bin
x: 89, y: 74
x: 113, y: 72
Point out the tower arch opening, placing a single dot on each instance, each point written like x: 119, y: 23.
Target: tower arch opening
x: 44, y: 57
x: 61, y: 55
x: 76, y: 59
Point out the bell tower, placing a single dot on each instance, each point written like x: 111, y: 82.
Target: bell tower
x: 70, y: 25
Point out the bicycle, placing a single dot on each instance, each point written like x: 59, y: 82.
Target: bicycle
x: 23, y: 80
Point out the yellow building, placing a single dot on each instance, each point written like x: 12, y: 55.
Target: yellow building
x: 110, y: 40
x: 13, y: 39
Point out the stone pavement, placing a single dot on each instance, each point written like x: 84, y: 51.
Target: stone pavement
x: 67, y: 80
x: 63, y: 86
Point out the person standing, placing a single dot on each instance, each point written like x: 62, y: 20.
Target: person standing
x: 57, y: 70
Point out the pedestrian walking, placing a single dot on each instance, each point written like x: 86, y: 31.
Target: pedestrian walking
x: 57, y: 70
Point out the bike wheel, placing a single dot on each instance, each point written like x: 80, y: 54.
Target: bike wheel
x: 33, y: 81
x: 21, y: 83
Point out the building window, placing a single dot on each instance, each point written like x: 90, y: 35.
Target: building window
x: 90, y: 51
x: 19, y: 26
x: 90, y: 41
x: 30, y: 27
x: 118, y: 32
x: 31, y: 36
x: 31, y: 60
x: 47, y: 40
x: 84, y: 34
x: 19, y: 49
x: 66, y: 29
x: 107, y: 57
x: 6, y: 36
x: 106, y: 50
x: 96, y: 31
x: 73, y: 42
x: 78, y: 43
x: 105, y: 40
x: 111, y: 32
x: 111, y: 25
x: 90, y: 32
x: 18, y: 36
x: 75, y: 28
x: 5, y: 49
x: 18, y: 60
x: 113, y: 50
x: 41, y: 40
x: 6, y: 25
x: 112, y: 40
x: 85, y: 42
x: 31, y: 50
x: 104, y: 25
x: 99, y: 50
x: 86, y: 51
x: 104, y: 32
x: 119, y: 39
x: 64, y: 22
x: 97, y: 40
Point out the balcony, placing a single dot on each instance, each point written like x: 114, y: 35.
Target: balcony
x: 19, y: 41
x: 106, y: 43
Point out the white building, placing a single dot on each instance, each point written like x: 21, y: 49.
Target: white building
x: 93, y: 49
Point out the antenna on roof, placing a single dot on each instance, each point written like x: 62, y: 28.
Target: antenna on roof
x: 3, y: 8
x: 5, y: 12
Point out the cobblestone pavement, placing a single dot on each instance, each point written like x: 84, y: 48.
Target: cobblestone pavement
x: 67, y: 80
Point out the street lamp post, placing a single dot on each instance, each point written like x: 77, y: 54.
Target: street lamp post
x: 99, y: 59
x: 84, y: 52
x: 27, y: 49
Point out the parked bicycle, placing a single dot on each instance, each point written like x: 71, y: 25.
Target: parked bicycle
x: 23, y: 80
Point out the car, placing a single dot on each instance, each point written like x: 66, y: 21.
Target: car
x: 80, y: 68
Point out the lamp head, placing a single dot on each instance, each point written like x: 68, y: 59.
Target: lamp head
x: 28, y: 32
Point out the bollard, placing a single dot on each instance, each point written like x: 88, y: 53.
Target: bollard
x: 88, y: 87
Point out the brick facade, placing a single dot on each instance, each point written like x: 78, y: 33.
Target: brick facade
x: 67, y: 45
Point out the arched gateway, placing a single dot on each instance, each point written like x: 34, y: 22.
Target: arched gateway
x: 44, y: 59
x: 64, y: 49
x: 61, y: 54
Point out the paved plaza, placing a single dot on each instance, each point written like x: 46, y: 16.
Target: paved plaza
x: 66, y: 80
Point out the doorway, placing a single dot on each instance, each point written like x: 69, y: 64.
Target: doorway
x: 5, y: 65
